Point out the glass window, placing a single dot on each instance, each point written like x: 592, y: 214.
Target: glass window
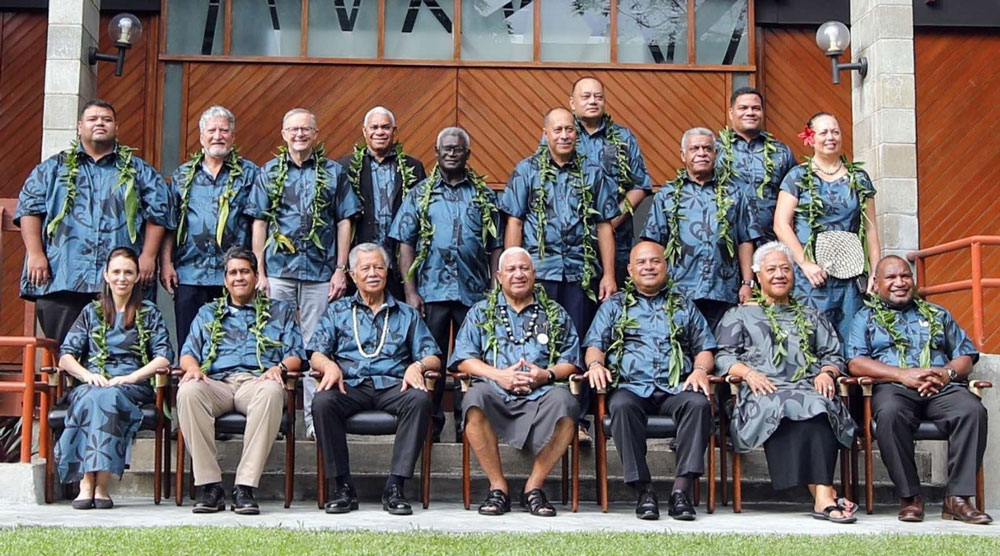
x: 741, y: 79
x: 266, y: 28
x: 652, y: 31
x: 575, y: 31
x: 343, y: 28
x: 419, y: 29
x: 721, y: 28
x: 170, y: 133
x: 497, y: 30
x: 194, y: 26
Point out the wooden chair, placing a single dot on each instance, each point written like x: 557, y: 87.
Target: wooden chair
x: 382, y: 423
x: 59, y: 385
x: 234, y: 423
x: 574, y: 452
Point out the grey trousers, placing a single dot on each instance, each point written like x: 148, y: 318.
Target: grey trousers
x: 310, y: 302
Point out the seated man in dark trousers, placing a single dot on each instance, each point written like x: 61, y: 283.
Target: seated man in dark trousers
x: 373, y: 351
x: 641, y: 344
x: 920, y: 360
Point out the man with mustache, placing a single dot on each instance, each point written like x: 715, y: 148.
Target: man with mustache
x: 920, y: 360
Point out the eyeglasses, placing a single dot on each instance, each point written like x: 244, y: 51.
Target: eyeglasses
x: 453, y: 150
x: 298, y: 130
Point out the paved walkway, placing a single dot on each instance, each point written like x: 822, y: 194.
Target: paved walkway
x: 452, y: 518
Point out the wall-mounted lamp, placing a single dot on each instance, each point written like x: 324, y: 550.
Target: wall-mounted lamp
x: 125, y: 30
x: 833, y: 39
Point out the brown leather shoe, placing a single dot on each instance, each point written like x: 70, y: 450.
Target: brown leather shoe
x: 959, y: 508
x: 911, y: 509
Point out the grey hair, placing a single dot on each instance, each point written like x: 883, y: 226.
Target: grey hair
x: 514, y: 251
x: 765, y: 250
x: 352, y: 257
x: 295, y: 111
x: 697, y: 131
x: 453, y: 131
x: 217, y: 112
x: 379, y: 110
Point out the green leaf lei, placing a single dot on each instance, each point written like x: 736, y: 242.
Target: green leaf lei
x: 625, y: 178
x: 671, y: 305
x: 489, y: 322
x: 406, y: 175
x: 100, y: 336
x: 619, y: 329
x: 804, y: 328
x: 888, y: 319
x: 262, y: 315
x: 723, y: 201
x: 813, y: 209
x: 126, y: 179
x: 319, y: 204
x: 728, y: 136
x: 672, y: 250
x: 234, y: 169
x: 72, y: 162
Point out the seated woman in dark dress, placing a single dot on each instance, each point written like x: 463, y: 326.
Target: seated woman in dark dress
x: 788, y: 356
x: 114, y: 347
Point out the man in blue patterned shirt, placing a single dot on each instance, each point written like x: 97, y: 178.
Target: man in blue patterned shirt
x: 216, y: 181
x: 234, y: 360
x: 373, y: 352
x: 302, y: 207
x: 74, y: 209
x: 920, y: 359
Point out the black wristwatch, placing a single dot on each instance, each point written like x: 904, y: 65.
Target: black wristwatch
x: 552, y: 375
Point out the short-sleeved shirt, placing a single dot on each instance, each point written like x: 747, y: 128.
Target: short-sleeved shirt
x: 122, y: 343
x: 96, y: 222
x: 564, y: 233
x: 841, y: 208
x: 704, y: 269
x: 644, y: 365
x: 457, y: 267
x: 471, y: 340
x: 384, y: 191
x: 308, y: 263
x: 397, y: 328
x: 237, y: 351
x: 749, y: 170
x: 198, y: 256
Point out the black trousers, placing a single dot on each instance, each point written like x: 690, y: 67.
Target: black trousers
x: 629, y: 415
x: 187, y: 301
x: 802, y: 453
x: 955, y: 411
x: 581, y: 311
x: 56, y: 312
x: 444, y: 319
x: 712, y: 310
x: 331, y: 409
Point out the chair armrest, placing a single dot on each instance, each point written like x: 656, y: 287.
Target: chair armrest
x: 291, y: 378
x: 430, y: 379
x: 976, y: 386
x: 866, y: 383
x: 161, y: 377
x: 575, y: 381
x: 844, y: 384
x: 52, y: 375
x: 464, y: 380
x: 715, y: 380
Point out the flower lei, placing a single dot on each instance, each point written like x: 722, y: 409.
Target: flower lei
x: 804, y: 328
x: 126, y: 179
x: 728, y: 136
x: 723, y: 201
x: 625, y: 178
x: 888, y: 319
x: 234, y: 169
x: 100, y: 337
x: 262, y: 315
x: 814, y: 208
x: 624, y: 322
x: 489, y: 322
x: 319, y: 204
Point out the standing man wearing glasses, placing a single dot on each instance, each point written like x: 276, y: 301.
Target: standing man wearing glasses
x: 302, y: 206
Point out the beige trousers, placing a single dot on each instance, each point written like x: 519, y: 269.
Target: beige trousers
x: 200, y: 402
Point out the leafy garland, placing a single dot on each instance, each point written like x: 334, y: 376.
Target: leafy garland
x: 319, y: 204
x: 234, y: 169
x: 262, y: 315
x: 728, y: 137
x: 406, y: 175
x: 888, y: 319
x: 672, y: 250
x: 804, y: 328
x: 72, y: 162
x: 671, y: 305
x: 813, y: 209
x: 100, y: 336
x: 619, y: 329
x: 723, y: 201
x: 625, y: 178
x: 489, y: 322
x: 126, y: 179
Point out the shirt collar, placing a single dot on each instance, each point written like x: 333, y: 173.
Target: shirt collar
x: 356, y: 300
x: 390, y: 156
x: 502, y: 302
x: 601, y: 129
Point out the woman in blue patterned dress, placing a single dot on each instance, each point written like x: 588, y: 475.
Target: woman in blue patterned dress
x: 114, y: 359
x: 827, y: 193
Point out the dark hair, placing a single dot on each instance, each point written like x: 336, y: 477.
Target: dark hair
x: 820, y: 114
x: 577, y: 82
x: 134, y: 300
x: 745, y: 91
x: 242, y: 253
x: 100, y: 104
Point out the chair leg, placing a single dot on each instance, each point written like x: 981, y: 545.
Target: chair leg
x: 425, y: 466
x: 158, y: 462
x: 49, y: 472
x: 723, y: 463
x: 737, y: 482
x: 179, y: 485
x: 980, y: 491
x: 710, y: 476
x: 845, y: 472
x: 290, y: 465
x: 320, y: 479
x: 869, y: 480
x: 165, y: 450
x: 576, y: 473
x: 191, y: 488
x: 565, y: 478
x: 855, y: 473
x: 601, y: 461
x: 466, y: 480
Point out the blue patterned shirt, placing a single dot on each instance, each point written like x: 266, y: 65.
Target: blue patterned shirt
x: 457, y: 267
x: 704, y: 269
x: 237, y: 352
x: 471, y: 338
x: 308, y: 263
x: 564, y: 233
x: 748, y: 166
x: 384, y: 190
x: 95, y: 225
x: 404, y: 337
x: 121, y: 342
x: 198, y: 258
x: 644, y: 365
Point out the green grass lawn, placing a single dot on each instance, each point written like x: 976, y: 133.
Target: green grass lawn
x: 228, y: 541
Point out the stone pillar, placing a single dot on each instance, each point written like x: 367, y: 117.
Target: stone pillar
x: 885, y: 132
x: 69, y: 80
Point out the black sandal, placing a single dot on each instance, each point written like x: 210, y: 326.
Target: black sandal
x: 535, y: 502
x: 827, y: 515
x: 497, y: 503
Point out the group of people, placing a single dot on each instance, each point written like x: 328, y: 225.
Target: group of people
x: 368, y: 270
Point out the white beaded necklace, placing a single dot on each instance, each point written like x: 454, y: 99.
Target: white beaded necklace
x: 382, y: 336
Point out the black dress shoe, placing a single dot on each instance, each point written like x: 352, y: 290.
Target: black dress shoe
x: 103, y: 503
x: 681, y: 507
x: 243, y: 501
x: 83, y: 504
x: 213, y: 499
x: 647, y: 507
x: 394, y: 502
x: 344, y: 500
